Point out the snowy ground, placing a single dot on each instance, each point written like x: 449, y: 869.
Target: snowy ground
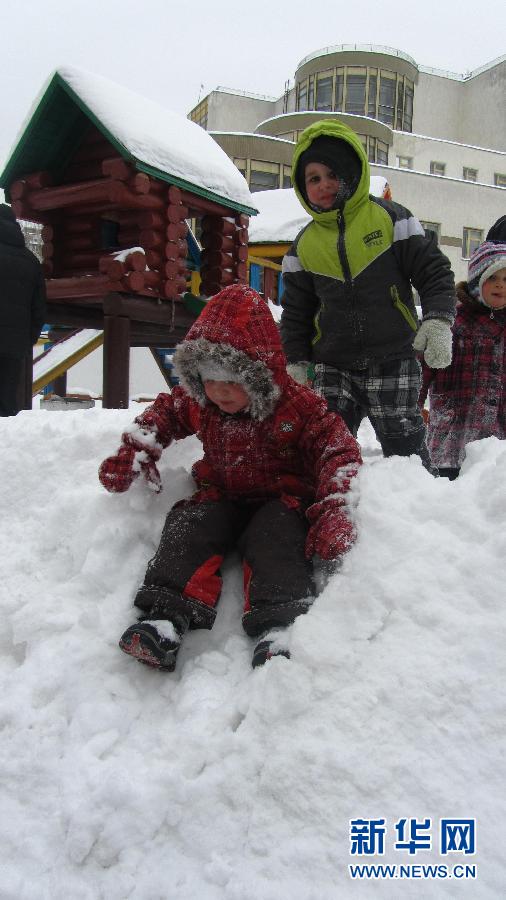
x: 223, y: 783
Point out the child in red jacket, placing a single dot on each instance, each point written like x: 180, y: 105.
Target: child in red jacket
x: 272, y: 483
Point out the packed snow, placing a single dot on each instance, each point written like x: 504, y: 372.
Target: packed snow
x: 217, y: 781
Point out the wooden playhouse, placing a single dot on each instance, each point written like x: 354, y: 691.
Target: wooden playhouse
x: 113, y: 178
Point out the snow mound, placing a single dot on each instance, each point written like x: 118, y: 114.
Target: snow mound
x: 219, y: 781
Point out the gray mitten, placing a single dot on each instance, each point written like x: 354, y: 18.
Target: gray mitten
x: 298, y: 371
x: 434, y: 340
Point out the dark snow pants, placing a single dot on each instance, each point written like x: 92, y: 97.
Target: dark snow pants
x: 184, y: 576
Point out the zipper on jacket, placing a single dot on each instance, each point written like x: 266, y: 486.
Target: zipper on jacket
x: 348, y: 281
x: 403, y: 308
x: 341, y: 249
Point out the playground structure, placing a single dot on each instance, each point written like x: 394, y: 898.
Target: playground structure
x: 116, y: 250
x: 53, y: 362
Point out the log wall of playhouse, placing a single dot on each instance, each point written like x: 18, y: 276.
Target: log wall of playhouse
x: 100, y: 205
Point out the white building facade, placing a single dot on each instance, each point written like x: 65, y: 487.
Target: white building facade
x: 438, y: 138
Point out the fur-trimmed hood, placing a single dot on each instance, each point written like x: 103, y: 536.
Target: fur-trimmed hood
x: 235, y: 331
x: 464, y: 297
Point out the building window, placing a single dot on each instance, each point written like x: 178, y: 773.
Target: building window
x: 382, y: 153
x: 241, y: 165
x: 302, y: 99
x: 499, y: 180
x: 437, y: 168
x: 360, y: 91
x: 400, y: 104
x: 469, y: 174
x: 371, y: 103
x: 409, y: 93
x: 387, y: 99
x: 432, y: 226
x: 377, y: 151
x: 471, y: 240
x: 199, y: 114
x: 263, y: 176
x: 324, y: 93
x: 405, y: 162
x: 310, y: 96
x: 287, y: 181
x: 339, y: 90
x: 355, y: 91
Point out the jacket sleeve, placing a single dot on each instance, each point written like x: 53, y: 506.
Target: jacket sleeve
x: 334, y: 455
x: 38, y: 306
x: 300, y: 304
x: 170, y: 418
x: 424, y: 265
x: 331, y: 454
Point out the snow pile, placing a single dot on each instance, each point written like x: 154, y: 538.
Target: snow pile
x: 219, y: 781
x: 280, y: 216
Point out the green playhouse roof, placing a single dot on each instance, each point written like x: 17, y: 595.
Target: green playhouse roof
x: 151, y: 137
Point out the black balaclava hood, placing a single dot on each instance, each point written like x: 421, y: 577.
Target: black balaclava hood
x: 338, y: 156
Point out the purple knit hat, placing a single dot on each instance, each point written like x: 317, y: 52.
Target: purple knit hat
x: 488, y: 258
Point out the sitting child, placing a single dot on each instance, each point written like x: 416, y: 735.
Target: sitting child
x: 272, y: 483
x: 468, y: 399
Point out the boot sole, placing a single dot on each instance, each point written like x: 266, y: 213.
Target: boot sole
x: 143, y: 654
x: 263, y: 654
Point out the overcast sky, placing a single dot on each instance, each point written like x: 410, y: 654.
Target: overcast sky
x: 175, y: 51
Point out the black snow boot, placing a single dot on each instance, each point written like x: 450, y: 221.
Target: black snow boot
x: 155, y: 641
x: 273, y: 643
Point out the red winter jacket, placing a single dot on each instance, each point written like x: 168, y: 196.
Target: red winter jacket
x: 285, y: 444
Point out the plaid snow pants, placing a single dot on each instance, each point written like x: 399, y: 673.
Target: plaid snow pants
x: 387, y: 393
x: 184, y: 576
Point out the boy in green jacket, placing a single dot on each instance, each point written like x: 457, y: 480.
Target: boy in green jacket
x: 348, y: 304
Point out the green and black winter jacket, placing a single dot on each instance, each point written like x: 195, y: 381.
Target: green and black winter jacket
x: 348, y: 276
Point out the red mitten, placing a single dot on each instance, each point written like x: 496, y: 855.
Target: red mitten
x: 331, y: 535
x: 148, y: 467
x: 116, y: 472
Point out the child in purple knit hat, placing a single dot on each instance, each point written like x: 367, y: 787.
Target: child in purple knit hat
x: 468, y: 399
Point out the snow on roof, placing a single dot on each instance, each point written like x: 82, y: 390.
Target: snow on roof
x: 159, y: 137
x: 281, y: 216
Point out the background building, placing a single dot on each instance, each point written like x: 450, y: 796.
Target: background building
x: 437, y: 137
